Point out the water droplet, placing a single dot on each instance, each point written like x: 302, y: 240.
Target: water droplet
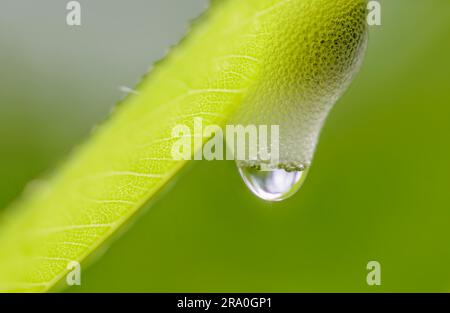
x: 272, y: 185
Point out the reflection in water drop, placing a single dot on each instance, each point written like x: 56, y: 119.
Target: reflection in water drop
x: 273, y: 185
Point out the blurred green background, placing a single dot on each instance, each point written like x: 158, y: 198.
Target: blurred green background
x: 378, y: 188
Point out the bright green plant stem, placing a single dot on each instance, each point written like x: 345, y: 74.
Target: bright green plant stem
x: 240, y: 51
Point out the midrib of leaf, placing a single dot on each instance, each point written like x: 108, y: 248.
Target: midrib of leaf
x: 127, y: 161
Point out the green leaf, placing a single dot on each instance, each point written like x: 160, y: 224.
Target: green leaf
x: 241, y: 50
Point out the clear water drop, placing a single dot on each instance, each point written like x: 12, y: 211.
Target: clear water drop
x: 273, y: 185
